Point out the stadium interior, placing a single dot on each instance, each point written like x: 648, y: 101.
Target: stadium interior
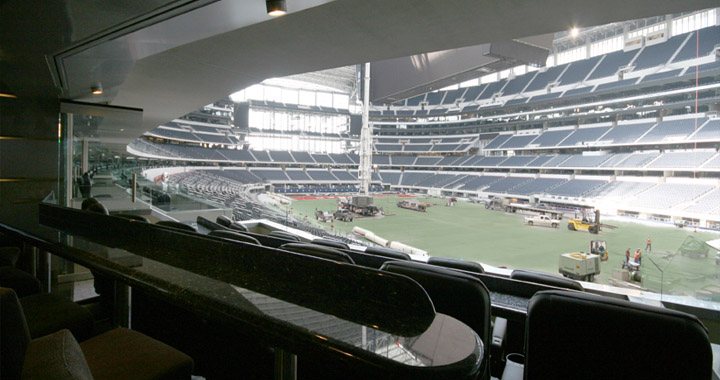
x: 161, y: 161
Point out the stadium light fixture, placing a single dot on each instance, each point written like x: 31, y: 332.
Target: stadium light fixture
x: 574, y: 32
x: 276, y: 8
x: 97, y: 89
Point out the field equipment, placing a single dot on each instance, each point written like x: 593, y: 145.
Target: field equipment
x: 579, y: 266
x: 586, y: 223
x: 413, y: 205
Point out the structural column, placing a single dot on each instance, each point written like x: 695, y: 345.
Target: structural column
x: 365, y: 169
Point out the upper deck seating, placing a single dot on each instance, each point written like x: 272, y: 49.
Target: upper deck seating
x: 709, y: 131
x: 541, y: 160
x: 321, y: 175
x: 477, y: 183
x: 583, y: 136
x: 660, y: 76
x: 578, y: 70
x: 575, y: 187
x: 412, y: 178
x: 519, y: 141
x: 612, y: 63
x: 344, y: 175
x: 415, y: 100
x: 490, y: 161
x: 516, y: 161
x: 449, y: 160
x: 498, y: 141
x: 584, y: 161
x: 473, y: 92
x: 537, y: 186
x: 619, y: 190
x: 637, y: 160
x: 392, y: 178
x: 708, y: 39
x: 614, y: 160
x: 418, y: 147
x: 388, y: 147
x: 491, y: 89
x: 658, y: 54
x: 281, y: 156
x: 297, y: 175
x: 551, y: 138
x: 302, y: 157
x: 542, y: 79
x: 380, y: 159
x: 517, y: 84
x: 402, y: 160
x: 427, y: 161
x: 341, y: 158
x: 707, y: 204
x: 238, y: 155
x: 321, y: 158
x: 506, y: 185
x: 692, y: 159
x: 672, y: 130
x: 453, y: 95
x: 626, y: 133
x: 261, y: 156
x: 270, y: 174
x: 666, y: 195
x: 434, y: 98
x: 448, y: 147
x: 555, y: 161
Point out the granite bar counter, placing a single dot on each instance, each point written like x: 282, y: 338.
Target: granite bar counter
x: 378, y: 322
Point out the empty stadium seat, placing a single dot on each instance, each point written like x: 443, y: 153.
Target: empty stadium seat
x: 178, y: 225
x: 318, y: 251
x: 465, y: 265
x: 387, y: 252
x: 137, y: 218
x: 607, y: 338
x: 331, y: 243
x: 234, y: 235
x: 284, y: 235
x: 453, y: 293
x: 546, y: 279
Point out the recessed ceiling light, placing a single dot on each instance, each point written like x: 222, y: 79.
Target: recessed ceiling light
x: 6, y: 95
x: 97, y: 89
x: 276, y: 8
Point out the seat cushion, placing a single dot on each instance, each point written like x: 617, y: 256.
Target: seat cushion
x: 23, y: 283
x: 56, y: 356
x: 123, y: 354
x: 49, y: 313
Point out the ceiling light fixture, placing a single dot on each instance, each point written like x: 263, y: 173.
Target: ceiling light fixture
x: 97, y: 89
x: 7, y: 95
x: 574, y: 32
x: 276, y: 8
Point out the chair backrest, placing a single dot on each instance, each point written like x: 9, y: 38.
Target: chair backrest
x: 331, y: 243
x: 466, y: 265
x: 14, y: 336
x: 387, y: 252
x: 232, y: 235
x: 546, y: 279
x: 228, y: 223
x: 453, y: 293
x: 178, y: 225
x: 573, y: 335
x: 284, y: 235
x: 318, y: 251
x: 138, y: 218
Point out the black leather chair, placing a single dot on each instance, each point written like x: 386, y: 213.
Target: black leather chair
x: 284, y: 235
x: 388, y: 252
x: 330, y: 243
x: 233, y: 235
x: 453, y: 293
x: 546, y: 279
x: 117, y: 354
x: 465, y: 265
x: 138, y: 218
x: 228, y: 223
x: 178, y: 225
x: 318, y: 251
x: 572, y: 335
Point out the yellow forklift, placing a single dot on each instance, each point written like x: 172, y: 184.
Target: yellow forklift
x: 586, y: 223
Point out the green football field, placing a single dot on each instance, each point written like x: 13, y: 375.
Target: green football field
x: 471, y: 232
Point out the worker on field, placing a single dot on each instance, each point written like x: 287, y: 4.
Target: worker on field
x: 648, y: 246
x: 638, y: 257
x: 627, y: 257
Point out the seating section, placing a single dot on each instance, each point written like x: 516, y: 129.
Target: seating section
x: 700, y: 44
x: 681, y: 159
x: 575, y: 187
x: 578, y: 70
x: 506, y: 184
x: 672, y: 130
x: 627, y: 133
x: 658, y: 54
x: 551, y: 138
x: 582, y: 136
x: 710, y: 131
x: 611, y: 63
x: 707, y: 204
x: 667, y: 195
